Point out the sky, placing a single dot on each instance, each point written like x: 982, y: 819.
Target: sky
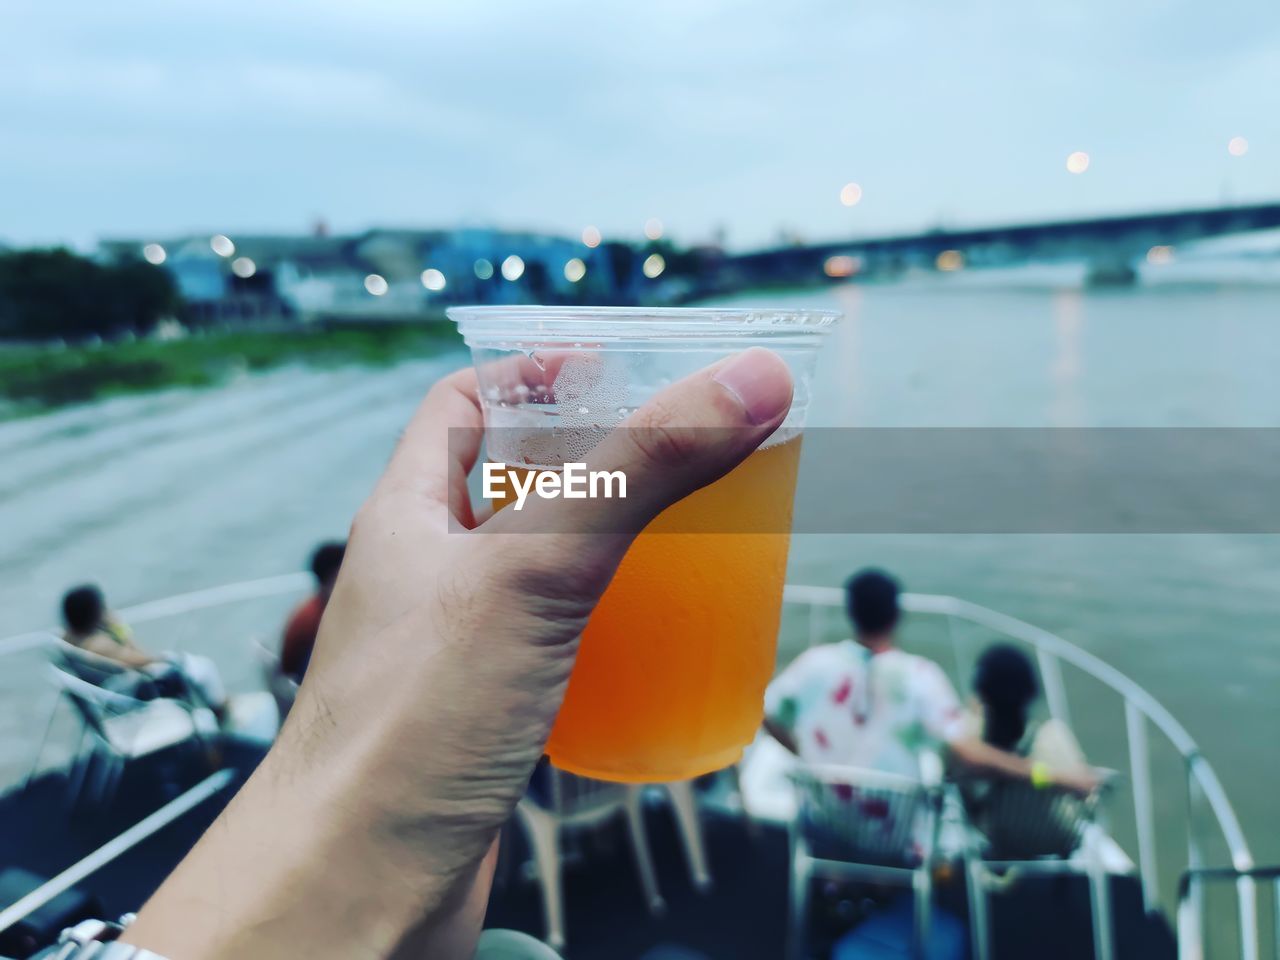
x: 741, y: 120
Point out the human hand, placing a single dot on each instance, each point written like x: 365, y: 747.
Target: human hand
x: 1079, y: 780
x: 440, y: 665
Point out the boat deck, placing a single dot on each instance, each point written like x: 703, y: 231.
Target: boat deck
x: 742, y: 917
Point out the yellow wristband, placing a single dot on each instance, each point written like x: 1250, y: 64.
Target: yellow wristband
x: 1040, y: 775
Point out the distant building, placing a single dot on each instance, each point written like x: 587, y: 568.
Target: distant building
x: 382, y: 273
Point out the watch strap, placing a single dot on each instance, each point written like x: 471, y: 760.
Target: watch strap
x: 98, y: 940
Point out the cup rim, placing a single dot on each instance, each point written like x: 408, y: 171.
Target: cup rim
x: 678, y: 318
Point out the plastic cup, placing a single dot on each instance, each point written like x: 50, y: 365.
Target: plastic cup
x: 671, y: 670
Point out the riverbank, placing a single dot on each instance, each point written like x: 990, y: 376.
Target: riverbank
x: 35, y: 378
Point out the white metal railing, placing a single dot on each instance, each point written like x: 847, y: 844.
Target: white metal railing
x: 1191, y: 887
x: 1141, y: 710
x: 145, y: 828
x: 179, y: 604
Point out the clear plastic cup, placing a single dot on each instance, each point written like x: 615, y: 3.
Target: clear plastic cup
x: 672, y: 667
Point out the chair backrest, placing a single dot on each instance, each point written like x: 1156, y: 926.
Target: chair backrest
x: 1022, y: 822
x: 865, y: 816
x: 90, y: 667
x: 92, y: 702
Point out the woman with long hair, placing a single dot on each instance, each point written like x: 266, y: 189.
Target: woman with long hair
x: 1006, y: 689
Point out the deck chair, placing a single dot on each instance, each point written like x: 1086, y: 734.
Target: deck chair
x: 862, y: 824
x: 560, y: 802
x: 96, y: 669
x: 684, y: 808
x: 1016, y: 828
x: 122, y: 728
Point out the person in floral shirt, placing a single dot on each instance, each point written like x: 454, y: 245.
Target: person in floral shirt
x: 867, y: 703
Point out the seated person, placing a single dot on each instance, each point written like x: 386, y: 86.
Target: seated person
x: 866, y: 703
x: 304, y: 623
x: 91, y: 626
x: 1005, y: 688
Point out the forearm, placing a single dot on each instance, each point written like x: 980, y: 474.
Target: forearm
x: 137, y: 659
x: 127, y: 655
x: 981, y: 757
x: 362, y: 834
x: 311, y: 860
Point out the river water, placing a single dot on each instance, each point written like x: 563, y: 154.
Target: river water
x: 179, y: 490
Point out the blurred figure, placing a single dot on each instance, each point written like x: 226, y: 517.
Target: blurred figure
x: 866, y: 703
x: 1005, y: 688
x: 1018, y: 823
x: 91, y: 626
x: 304, y: 623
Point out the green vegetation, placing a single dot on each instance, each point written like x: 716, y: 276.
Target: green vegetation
x: 55, y: 293
x: 44, y: 376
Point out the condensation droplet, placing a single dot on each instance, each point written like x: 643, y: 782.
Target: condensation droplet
x: 583, y: 410
x: 577, y: 346
x: 522, y: 390
x: 491, y: 392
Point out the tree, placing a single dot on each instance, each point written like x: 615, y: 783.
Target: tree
x: 47, y: 294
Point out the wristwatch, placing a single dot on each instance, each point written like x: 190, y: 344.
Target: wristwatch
x: 96, y: 940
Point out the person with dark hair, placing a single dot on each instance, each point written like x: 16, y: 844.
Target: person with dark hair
x: 867, y: 703
x: 92, y: 626
x: 1005, y: 687
x: 304, y: 623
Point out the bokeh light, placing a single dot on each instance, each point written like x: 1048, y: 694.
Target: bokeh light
x: 483, y: 269
x: 654, y: 264
x: 1077, y: 162
x: 850, y: 194
x: 591, y: 236
x: 841, y: 265
x: 1237, y: 146
x: 243, y: 267
x: 575, y: 270
x: 512, y: 268
x: 949, y: 261
x: 652, y: 229
x: 376, y: 284
x: 222, y: 245
x: 153, y: 253
x: 433, y: 279
x: 1159, y: 255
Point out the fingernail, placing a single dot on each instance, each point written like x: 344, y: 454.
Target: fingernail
x: 760, y: 381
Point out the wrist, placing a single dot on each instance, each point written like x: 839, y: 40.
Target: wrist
x: 1041, y: 776
x: 306, y: 862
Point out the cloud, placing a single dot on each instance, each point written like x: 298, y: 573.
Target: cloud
x: 747, y: 114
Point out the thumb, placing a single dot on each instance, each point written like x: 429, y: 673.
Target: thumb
x: 687, y: 436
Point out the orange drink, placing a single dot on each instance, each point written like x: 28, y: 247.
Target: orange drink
x: 671, y: 670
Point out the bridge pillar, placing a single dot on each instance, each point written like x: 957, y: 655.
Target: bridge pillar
x: 1112, y: 270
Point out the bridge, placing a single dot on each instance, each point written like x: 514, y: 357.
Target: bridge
x: 1109, y: 245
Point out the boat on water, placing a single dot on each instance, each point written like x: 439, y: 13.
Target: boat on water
x: 749, y: 863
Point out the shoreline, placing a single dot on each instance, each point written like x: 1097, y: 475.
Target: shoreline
x: 36, y: 379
